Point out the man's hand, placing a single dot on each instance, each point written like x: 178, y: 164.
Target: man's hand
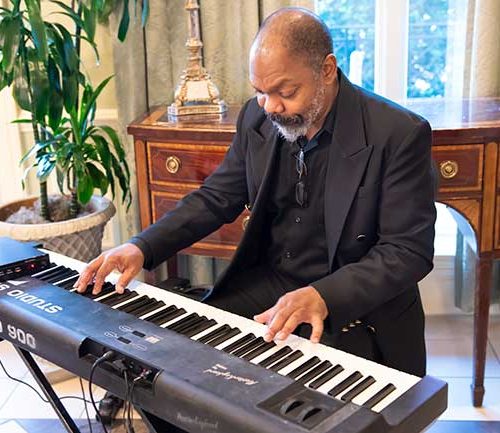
x: 304, y: 305
x: 127, y: 259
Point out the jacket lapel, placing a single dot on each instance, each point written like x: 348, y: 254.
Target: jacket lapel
x: 347, y: 160
x: 263, y: 142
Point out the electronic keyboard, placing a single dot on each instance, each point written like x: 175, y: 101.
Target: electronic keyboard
x: 205, y: 369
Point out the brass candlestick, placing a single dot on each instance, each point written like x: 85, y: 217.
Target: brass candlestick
x: 196, y: 93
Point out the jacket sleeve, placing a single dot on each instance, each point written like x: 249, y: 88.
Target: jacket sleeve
x: 403, y: 252
x: 218, y: 201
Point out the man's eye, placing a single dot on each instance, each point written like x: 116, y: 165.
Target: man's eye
x: 288, y: 94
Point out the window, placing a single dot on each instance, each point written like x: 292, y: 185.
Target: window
x: 399, y: 48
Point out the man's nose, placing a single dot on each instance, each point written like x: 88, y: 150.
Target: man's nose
x: 272, y: 105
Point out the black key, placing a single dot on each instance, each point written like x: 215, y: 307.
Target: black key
x: 61, y: 274
x: 118, y: 298
x: 259, y: 350
x: 358, y: 389
x: 346, y: 383
x: 136, y: 303
x: 224, y: 337
x: 48, y: 272
x: 200, y: 327
x: 67, y: 284
x: 286, y: 361
x: 248, y: 347
x: 275, y: 356
x: 154, y: 316
x: 238, y: 343
x: 165, y: 315
x: 168, y: 317
x: 310, y: 363
x: 326, y: 376
x: 379, y: 396
x: 147, y: 308
x: 63, y: 279
x: 315, y: 372
x: 106, y: 289
x: 215, y: 333
x: 188, y: 326
x: 181, y: 322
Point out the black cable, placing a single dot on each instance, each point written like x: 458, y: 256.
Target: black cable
x: 15, y: 379
x: 128, y: 404
x: 85, y: 404
x: 109, y: 355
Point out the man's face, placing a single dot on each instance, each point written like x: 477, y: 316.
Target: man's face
x: 291, y: 92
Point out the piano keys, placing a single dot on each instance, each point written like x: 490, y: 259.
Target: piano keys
x: 339, y: 377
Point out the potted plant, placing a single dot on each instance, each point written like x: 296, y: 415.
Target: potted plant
x: 40, y: 60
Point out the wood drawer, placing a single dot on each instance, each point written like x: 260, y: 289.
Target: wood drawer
x: 173, y: 164
x: 228, y: 234
x: 460, y: 168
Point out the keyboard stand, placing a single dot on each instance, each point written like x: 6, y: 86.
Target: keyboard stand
x: 47, y: 389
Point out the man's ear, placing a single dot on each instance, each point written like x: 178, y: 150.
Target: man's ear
x: 329, y: 69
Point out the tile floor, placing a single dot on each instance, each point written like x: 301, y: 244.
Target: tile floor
x: 449, y: 343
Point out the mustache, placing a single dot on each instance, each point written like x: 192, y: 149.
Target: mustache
x: 295, y: 120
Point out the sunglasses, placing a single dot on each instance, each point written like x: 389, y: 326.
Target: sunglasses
x: 300, y: 186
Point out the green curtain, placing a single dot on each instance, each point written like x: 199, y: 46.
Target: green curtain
x: 149, y: 63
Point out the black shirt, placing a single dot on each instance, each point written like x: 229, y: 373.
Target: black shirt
x: 297, y: 246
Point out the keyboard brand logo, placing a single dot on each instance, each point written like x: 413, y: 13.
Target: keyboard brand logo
x: 222, y: 371
x: 33, y: 300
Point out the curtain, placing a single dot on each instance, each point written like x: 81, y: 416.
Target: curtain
x: 148, y: 66
x: 482, y: 59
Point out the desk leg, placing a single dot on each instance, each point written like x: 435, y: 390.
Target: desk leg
x: 481, y: 315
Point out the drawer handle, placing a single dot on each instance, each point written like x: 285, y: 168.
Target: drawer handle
x: 244, y: 223
x: 173, y: 164
x: 449, y: 169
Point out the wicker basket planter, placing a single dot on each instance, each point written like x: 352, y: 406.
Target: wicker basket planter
x: 79, y: 238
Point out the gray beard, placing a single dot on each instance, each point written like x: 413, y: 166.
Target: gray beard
x: 292, y: 132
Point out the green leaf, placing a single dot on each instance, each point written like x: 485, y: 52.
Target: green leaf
x: 20, y: 88
x: 71, y: 60
x: 40, y: 90
x: 84, y: 187
x: 38, y: 31
x: 45, y: 166
x: 92, y: 99
x: 56, y: 99
x: 124, y: 22
x: 105, y: 159
x: 70, y: 92
x: 12, y: 36
x: 90, y: 20
x: 68, y: 11
x: 98, y: 178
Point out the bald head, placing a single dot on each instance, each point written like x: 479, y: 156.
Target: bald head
x: 299, y: 31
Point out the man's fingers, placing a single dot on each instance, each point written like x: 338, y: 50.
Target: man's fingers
x: 87, y: 275
x: 276, y: 324
x: 106, y: 268
x: 264, y: 317
x: 124, y: 280
x: 289, y: 326
x: 317, y: 329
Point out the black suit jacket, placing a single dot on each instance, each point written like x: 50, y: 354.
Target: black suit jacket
x: 379, y: 215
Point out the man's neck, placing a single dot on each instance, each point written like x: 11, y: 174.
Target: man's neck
x: 331, y: 95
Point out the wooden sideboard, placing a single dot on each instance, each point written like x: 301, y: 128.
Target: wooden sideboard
x: 173, y: 158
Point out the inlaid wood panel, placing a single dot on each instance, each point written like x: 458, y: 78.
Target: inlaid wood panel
x: 172, y: 163
x: 497, y: 224
x: 470, y: 210
x: 460, y: 167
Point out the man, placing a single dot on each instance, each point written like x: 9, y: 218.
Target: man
x: 340, y: 186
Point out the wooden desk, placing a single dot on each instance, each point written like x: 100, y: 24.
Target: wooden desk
x: 173, y: 158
